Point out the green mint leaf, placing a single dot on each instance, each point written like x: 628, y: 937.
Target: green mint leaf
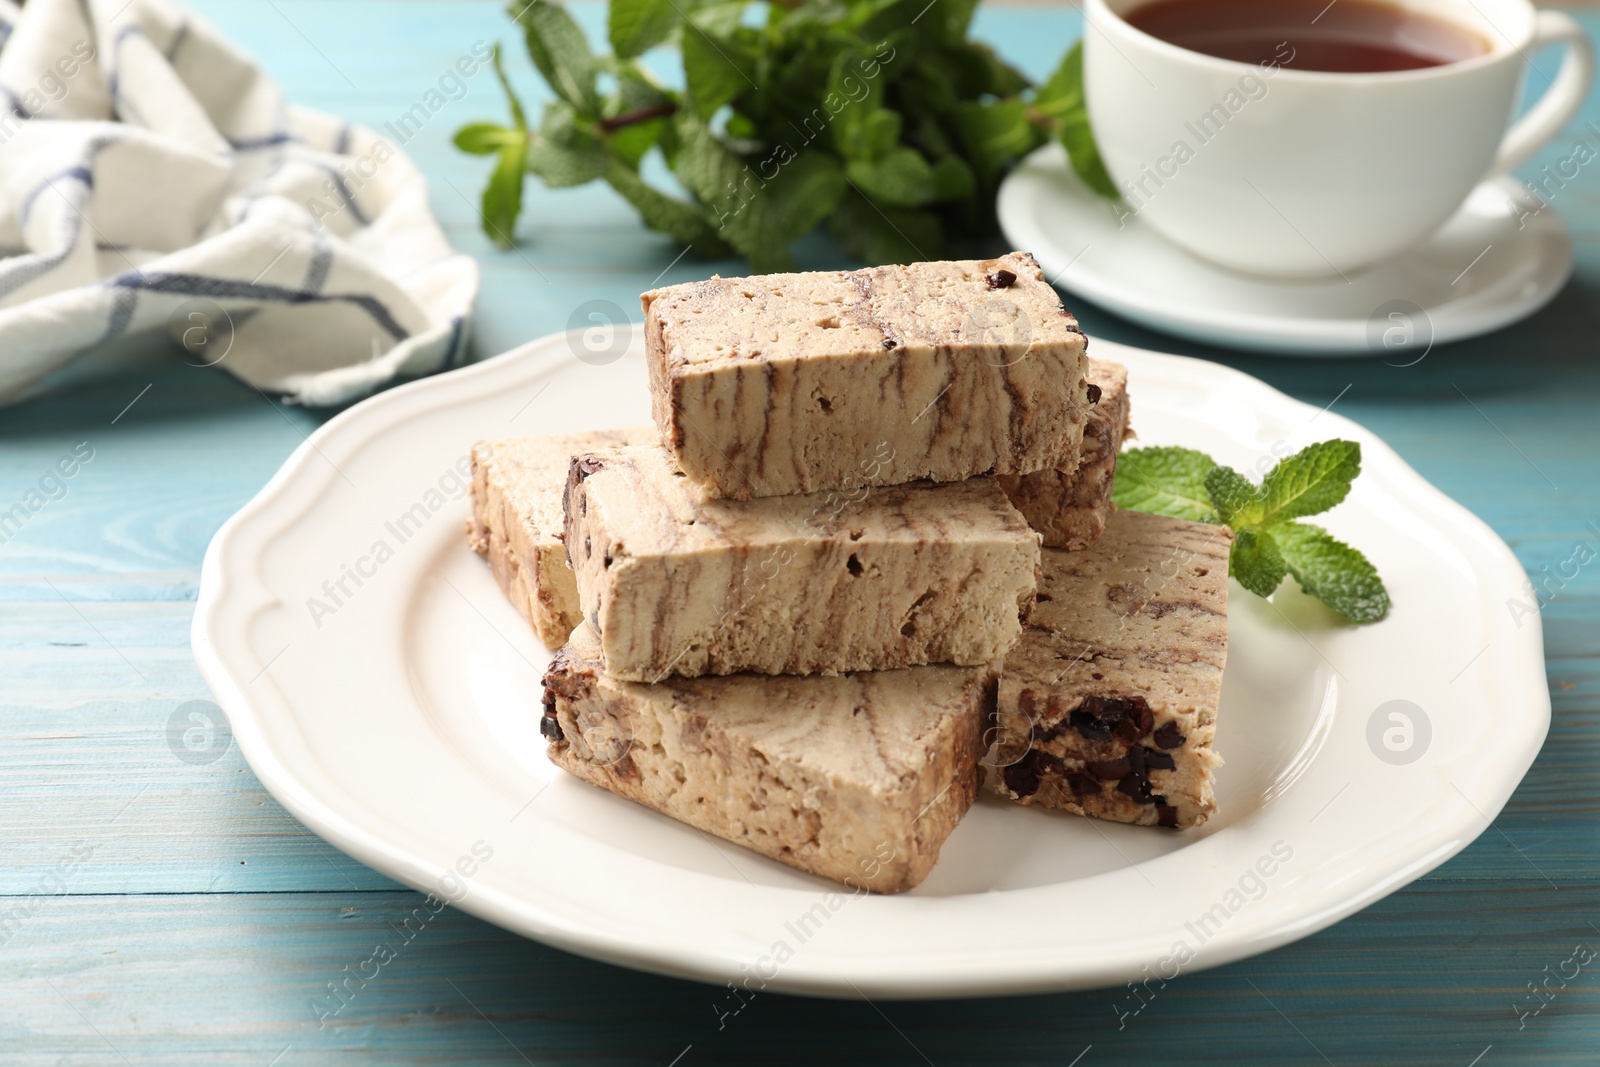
x: 561, y: 52
x: 950, y: 18
x: 853, y: 101
x: 742, y: 128
x: 715, y: 70
x: 875, y: 234
x: 995, y: 133
x: 879, y: 20
x: 1063, y: 99
x: 926, y: 90
x: 1333, y: 572
x: 953, y: 179
x: 881, y: 131
x: 634, y: 116
x: 902, y: 178
x: 1165, y: 481
x: 758, y: 213
x: 561, y: 167
x: 729, y: 190
x: 566, y: 152
x: 1312, y: 480
x: 518, y: 118
x: 1062, y: 92
x: 484, y: 138
x: 975, y: 71
x: 924, y: 130
x: 719, y: 20
x: 1000, y: 77
x: 631, y: 142
x: 635, y: 26
x: 866, y: 133
x: 502, y: 197
x: 805, y: 192
x: 1237, y: 499
x: 1256, y: 562
x: 1076, y: 137
x: 667, y: 214
x: 561, y: 125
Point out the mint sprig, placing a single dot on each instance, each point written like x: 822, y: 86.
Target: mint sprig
x: 502, y: 197
x: 1062, y: 97
x: 879, y: 119
x: 1165, y: 481
x: 1269, y: 541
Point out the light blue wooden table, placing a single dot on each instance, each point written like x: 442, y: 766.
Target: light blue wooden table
x: 171, y: 913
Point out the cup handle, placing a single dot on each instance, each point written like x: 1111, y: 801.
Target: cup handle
x: 1561, y: 101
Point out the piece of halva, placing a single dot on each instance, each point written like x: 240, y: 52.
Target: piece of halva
x: 516, y: 523
x: 817, y: 584
x: 1108, y: 705
x: 1069, y: 507
x: 797, y: 383
x: 859, y: 778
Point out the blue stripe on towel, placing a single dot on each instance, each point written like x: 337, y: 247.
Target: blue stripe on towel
x: 22, y: 270
x: 344, y: 192
x: 14, y: 103
x: 454, y: 354
x: 177, y: 40
x: 123, y: 304
x: 255, y: 144
x: 223, y: 289
x: 80, y: 172
x: 321, y: 264
x: 114, y: 77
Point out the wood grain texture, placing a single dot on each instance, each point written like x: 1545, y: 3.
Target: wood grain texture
x: 207, y: 920
x: 1426, y: 977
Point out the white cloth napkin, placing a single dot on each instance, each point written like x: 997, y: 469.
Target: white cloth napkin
x: 152, y: 177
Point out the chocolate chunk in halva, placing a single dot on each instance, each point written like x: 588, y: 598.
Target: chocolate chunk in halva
x: 1136, y: 677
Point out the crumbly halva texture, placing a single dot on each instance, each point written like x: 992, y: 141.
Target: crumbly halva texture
x: 1069, y: 507
x: 859, y: 778
x: 798, y: 383
x: 818, y: 584
x: 1108, y: 704
x: 517, y: 524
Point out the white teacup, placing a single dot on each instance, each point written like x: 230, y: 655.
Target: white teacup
x: 1277, y: 171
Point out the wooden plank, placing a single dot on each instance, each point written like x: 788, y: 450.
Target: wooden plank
x: 237, y: 979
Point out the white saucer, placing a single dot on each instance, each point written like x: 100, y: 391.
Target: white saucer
x: 1478, y: 273
x: 390, y: 697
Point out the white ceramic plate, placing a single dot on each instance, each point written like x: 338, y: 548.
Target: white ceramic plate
x: 401, y: 724
x: 1499, y: 259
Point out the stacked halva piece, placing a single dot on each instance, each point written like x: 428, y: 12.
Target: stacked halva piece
x: 868, y: 540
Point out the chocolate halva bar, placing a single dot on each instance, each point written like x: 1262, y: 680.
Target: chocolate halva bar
x: 516, y: 522
x: 859, y: 778
x: 817, y: 584
x: 1069, y: 507
x: 796, y: 383
x: 1108, y: 705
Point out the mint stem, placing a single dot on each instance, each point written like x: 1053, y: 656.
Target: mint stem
x: 633, y: 118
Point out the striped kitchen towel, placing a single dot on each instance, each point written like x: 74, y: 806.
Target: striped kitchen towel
x: 152, y: 178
